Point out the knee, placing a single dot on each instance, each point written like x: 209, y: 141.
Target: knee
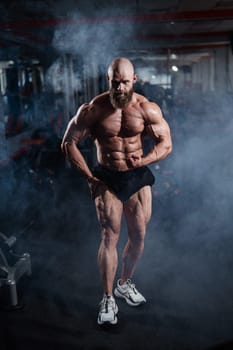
x: 137, y: 239
x: 134, y: 247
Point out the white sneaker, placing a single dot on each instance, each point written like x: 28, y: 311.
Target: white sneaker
x: 108, y: 310
x: 128, y: 292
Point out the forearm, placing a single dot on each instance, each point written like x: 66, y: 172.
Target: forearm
x: 158, y: 152
x: 74, y: 155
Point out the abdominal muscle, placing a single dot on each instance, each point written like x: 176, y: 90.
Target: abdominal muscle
x: 116, y: 153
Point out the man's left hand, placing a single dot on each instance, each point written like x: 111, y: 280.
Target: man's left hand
x: 135, y: 161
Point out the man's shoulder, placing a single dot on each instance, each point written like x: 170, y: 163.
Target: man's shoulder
x: 150, y: 111
x: 89, y: 112
x: 147, y: 105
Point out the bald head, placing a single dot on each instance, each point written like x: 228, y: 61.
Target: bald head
x: 122, y: 66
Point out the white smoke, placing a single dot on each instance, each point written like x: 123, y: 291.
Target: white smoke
x: 96, y: 39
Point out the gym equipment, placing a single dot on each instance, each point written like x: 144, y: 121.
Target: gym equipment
x: 12, y: 267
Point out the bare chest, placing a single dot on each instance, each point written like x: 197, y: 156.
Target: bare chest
x: 120, y: 123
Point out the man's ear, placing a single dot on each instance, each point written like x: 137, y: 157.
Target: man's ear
x: 135, y: 78
x: 107, y: 77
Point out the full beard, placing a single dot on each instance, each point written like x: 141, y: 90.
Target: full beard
x: 120, y: 100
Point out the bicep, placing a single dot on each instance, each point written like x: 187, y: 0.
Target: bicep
x: 156, y: 125
x: 158, y: 129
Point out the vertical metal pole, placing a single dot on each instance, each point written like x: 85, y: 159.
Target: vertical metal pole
x: 68, y: 87
x: 71, y: 83
x: 168, y: 65
x: 13, y: 292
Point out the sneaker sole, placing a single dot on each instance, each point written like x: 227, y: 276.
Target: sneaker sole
x: 128, y: 301
x: 108, y: 321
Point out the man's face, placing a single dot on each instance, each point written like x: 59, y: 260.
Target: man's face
x: 120, y: 89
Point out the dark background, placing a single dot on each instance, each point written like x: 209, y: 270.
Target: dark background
x: 186, y: 270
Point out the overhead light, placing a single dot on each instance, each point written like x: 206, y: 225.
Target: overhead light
x: 173, y: 56
x: 175, y: 68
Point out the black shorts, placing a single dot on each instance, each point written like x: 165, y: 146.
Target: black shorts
x: 124, y: 183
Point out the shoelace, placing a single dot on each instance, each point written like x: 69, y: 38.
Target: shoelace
x: 131, y: 286
x: 106, y: 303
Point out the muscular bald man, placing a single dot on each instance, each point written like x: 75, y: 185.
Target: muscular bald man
x: 121, y: 183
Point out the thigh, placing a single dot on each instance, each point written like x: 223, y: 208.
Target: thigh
x: 137, y: 210
x: 109, y: 210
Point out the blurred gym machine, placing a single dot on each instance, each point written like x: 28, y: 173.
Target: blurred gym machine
x: 12, y: 267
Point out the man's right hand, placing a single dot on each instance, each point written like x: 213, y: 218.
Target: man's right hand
x: 96, y: 186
